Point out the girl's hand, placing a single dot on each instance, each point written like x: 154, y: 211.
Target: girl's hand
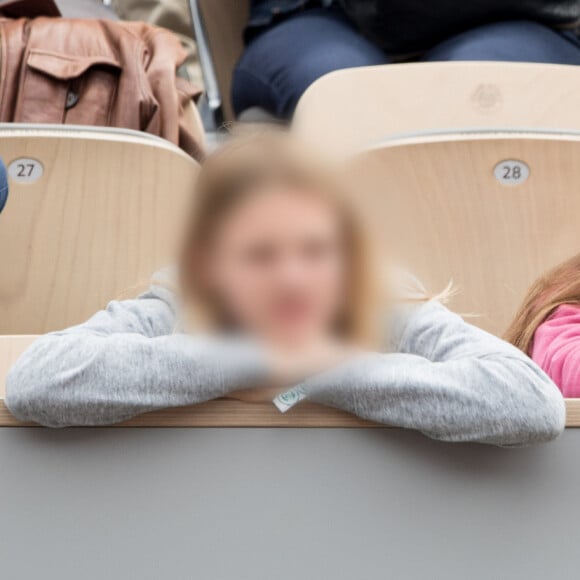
x: 290, y: 366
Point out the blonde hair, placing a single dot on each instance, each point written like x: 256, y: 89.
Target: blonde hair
x: 246, y: 166
x: 561, y: 285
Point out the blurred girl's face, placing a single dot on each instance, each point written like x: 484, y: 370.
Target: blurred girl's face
x: 277, y: 265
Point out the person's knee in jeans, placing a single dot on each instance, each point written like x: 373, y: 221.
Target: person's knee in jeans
x: 516, y: 41
x: 282, y: 62
x: 3, y: 185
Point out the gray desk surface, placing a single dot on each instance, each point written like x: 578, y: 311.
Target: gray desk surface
x: 263, y: 504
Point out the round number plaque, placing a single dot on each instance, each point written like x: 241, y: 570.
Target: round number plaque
x: 25, y: 170
x: 511, y: 172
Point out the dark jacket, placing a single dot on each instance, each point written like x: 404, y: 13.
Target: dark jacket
x: 263, y: 13
x: 412, y: 26
x: 408, y: 27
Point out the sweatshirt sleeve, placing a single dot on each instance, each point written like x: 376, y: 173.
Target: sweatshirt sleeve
x: 124, y: 361
x: 450, y: 380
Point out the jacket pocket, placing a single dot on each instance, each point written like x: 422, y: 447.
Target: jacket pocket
x: 62, y: 88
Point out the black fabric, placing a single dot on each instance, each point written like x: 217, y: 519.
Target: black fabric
x: 266, y: 13
x: 408, y: 27
x: 65, y: 8
x: 28, y: 8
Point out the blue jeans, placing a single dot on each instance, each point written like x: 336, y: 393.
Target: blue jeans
x: 3, y: 185
x: 281, y: 62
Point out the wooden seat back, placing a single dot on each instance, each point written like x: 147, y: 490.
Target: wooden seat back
x: 90, y: 215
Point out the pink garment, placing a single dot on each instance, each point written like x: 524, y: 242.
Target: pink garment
x: 557, y: 349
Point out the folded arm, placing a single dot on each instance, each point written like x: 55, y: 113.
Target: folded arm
x: 122, y: 362
x: 450, y: 380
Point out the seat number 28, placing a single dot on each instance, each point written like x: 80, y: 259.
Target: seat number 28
x: 511, y: 172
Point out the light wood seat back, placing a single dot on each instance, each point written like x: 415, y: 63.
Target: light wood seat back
x: 224, y: 22
x: 352, y: 108
x: 438, y: 206
x: 102, y: 217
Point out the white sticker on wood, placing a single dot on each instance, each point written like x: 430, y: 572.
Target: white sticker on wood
x: 511, y: 172
x: 25, y: 170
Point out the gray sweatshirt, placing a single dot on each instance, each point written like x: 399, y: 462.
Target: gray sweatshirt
x: 450, y: 380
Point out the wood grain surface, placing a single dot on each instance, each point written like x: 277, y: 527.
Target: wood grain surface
x: 352, y: 108
x: 105, y: 215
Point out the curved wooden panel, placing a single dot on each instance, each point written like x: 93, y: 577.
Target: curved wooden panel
x: 436, y: 203
x: 224, y: 21
x: 103, y: 216
x: 352, y: 108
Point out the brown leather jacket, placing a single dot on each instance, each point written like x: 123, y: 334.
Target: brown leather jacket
x: 96, y: 72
